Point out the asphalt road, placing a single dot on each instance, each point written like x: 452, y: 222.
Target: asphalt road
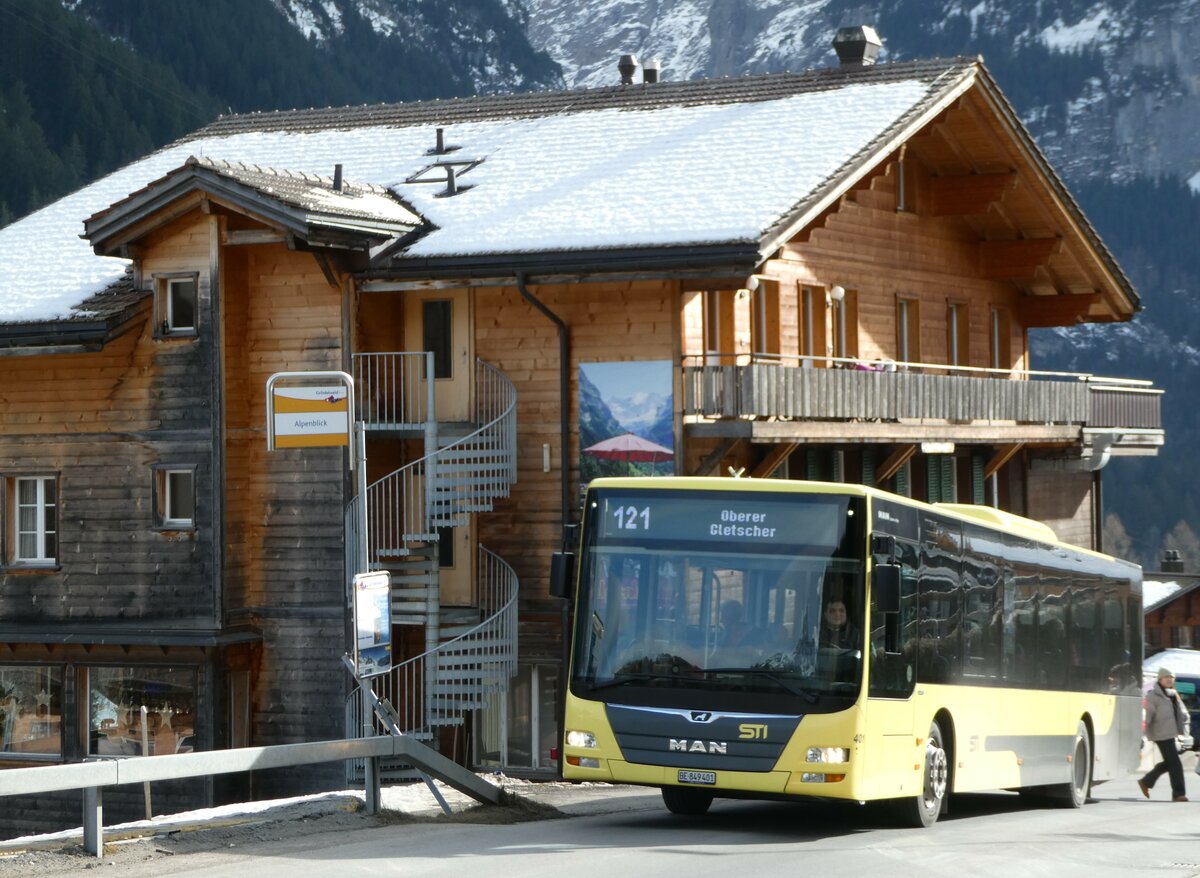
x: 626, y: 832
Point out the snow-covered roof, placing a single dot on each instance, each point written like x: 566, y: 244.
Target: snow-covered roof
x: 669, y: 164
x: 1156, y: 593
x: 1183, y: 662
x: 314, y: 207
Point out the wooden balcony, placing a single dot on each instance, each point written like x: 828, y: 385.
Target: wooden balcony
x: 841, y: 400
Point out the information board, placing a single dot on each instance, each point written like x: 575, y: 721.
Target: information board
x: 373, y: 623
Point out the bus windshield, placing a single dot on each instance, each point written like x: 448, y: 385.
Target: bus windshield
x: 704, y: 592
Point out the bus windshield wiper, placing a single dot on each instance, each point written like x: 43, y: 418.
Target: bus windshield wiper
x: 804, y: 692
x: 627, y: 678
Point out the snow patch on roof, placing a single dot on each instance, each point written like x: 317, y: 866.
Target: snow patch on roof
x: 613, y: 178
x: 1155, y: 593
x: 1183, y: 662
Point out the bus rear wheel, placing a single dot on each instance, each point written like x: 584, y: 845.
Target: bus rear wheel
x: 691, y: 803
x: 1075, y: 793
x: 923, y: 810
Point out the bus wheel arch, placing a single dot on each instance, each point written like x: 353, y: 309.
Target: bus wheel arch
x: 923, y: 809
x: 1076, y: 792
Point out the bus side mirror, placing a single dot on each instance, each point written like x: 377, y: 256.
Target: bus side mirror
x: 562, y: 573
x: 885, y: 587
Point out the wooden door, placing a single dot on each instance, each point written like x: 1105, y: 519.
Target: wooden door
x: 440, y: 321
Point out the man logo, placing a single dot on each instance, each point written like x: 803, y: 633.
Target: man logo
x: 683, y: 745
x: 701, y: 716
x: 753, y: 731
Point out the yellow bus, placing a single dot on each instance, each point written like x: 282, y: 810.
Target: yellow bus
x: 778, y: 639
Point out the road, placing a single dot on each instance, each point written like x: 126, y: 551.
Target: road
x: 628, y: 834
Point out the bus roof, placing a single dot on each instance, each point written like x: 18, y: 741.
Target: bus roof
x: 985, y: 515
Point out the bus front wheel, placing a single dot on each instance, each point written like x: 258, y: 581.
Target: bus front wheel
x: 691, y: 803
x: 923, y: 810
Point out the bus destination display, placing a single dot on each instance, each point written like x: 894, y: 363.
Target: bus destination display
x: 811, y: 521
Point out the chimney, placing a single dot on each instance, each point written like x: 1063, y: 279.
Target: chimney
x: 650, y: 70
x: 628, y: 65
x: 1172, y: 562
x: 337, y: 178
x: 857, y: 46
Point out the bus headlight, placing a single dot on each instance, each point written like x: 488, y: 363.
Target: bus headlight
x: 576, y: 738
x: 827, y: 754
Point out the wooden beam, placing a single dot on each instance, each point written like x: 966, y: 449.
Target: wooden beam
x: 238, y: 237
x: 714, y: 458
x: 1060, y: 310
x: 967, y: 194
x: 777, y: 455
x: 894, y: 461
x: 1017, y: 259
x: 1002, y: 456
x: 326, y: 269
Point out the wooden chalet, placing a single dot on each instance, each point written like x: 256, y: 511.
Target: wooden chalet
x: 837, y: 271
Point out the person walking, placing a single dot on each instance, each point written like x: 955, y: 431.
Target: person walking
x: 1165, y: 720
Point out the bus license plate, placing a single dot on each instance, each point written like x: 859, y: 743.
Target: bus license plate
x: 700, y: 777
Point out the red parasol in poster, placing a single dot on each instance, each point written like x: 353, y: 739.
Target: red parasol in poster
x: 629, y: 446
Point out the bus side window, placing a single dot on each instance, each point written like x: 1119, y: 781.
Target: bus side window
x: 893, y: 674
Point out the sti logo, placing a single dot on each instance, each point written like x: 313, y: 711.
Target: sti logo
x: 752, y: 731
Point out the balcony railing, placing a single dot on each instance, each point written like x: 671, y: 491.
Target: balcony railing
x: 848, y: 389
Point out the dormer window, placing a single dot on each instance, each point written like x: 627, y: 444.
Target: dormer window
x: 175, y: 304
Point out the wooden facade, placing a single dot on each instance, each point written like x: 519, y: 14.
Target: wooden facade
x: 914, y: 276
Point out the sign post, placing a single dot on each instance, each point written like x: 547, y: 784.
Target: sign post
x: 316, y: 410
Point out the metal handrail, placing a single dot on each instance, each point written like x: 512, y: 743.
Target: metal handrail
x: 442, y: 685
x: 492, y: 450
x: 391, y: 388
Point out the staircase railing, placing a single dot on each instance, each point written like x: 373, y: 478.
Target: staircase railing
x: 390, y: 389
x: 405, y: 511
x: 441, y: 686
x: 409, y: 505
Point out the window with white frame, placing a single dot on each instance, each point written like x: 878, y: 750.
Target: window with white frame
x: 175, y: 496
x: 176, y: 304
x: 34, y: 520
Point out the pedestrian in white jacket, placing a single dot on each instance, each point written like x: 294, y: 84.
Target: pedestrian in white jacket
x: 1166, y: 719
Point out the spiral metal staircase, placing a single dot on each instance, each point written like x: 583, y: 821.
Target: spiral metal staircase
x: 469, y: 658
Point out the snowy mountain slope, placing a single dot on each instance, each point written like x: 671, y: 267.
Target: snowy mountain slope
x: 1109, y: 88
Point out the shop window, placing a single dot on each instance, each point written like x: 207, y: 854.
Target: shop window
x: 117, y: 722
x: 30, y: 712
x: 520, y: 731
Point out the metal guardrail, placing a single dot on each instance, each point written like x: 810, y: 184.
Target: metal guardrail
x: 92, y: 777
